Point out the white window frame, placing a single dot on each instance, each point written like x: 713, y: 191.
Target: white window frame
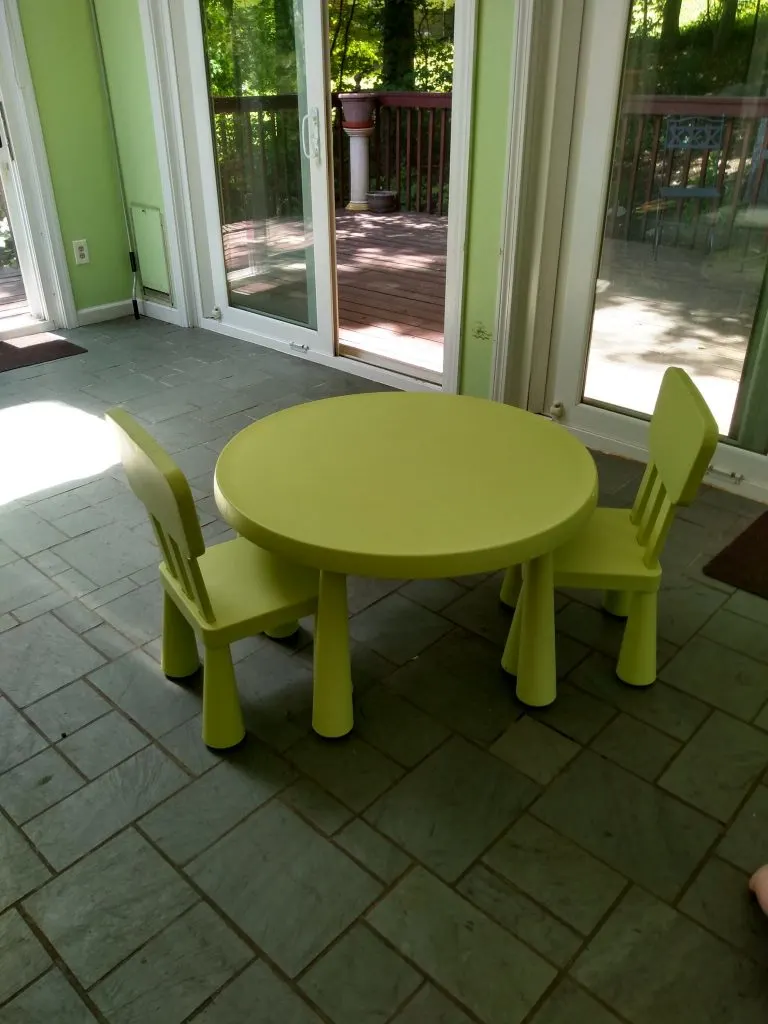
x: 37, y: 229
x: 167, y: 82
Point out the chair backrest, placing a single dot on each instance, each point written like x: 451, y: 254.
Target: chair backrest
x: 683, y: 438
x: 161, y: 486
x: 694, y: 133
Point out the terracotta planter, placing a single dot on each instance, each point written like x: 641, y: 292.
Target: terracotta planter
x: 382, y: 201
x: 357, y: 108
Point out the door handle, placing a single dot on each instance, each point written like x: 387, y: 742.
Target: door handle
x: 305, y: 143
x: 314, y: 134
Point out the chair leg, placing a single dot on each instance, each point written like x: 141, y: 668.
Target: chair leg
x: 536, y: 664
x: 617, y: 602
x: 511, y: 655
x: 510, y: 587
x: 179, y: 656
x: 222, y: 718
x: 637, y: 657
x: 282, y: 632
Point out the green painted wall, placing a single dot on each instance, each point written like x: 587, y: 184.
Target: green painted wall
x: 126, y: 70
x: 493, y: 70
x: 62, y: 53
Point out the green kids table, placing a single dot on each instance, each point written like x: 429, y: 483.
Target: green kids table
x: 409, y: 485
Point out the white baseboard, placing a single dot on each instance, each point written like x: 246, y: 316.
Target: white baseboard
x: 159, y: 311
x: 109, y: 311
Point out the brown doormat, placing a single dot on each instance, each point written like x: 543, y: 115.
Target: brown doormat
x: 34, y: 349
x: 744, y: 563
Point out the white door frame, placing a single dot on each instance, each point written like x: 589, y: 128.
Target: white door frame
x: 187, y: 233
x: 36, y: 226
x: 549, y: 377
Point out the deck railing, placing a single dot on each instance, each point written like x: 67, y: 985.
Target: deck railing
x: 642, y: 164
x: 258, y: 143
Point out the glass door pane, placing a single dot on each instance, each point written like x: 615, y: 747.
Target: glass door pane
x: 13, y: 298
x: 685, y: 230
x: 268, y: 145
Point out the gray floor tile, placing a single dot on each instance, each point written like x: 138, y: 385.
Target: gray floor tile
x: 21, y: 870
x: 27, y: 533
x: 317, y: 806
x: 575, y: 714
x: 648, y: 836
x: 569, y: 1004
x: 41, y: 656
x: 108, y: 641
x: 748, y: 605
x: 98, y: 810
x: 725, y: 678
x: 349, y: 768
x: 654, y: 966
x: 41, y: 606
x: 265, y: 874
x: 636, y: 746
x: 460, y: 682
x: 556, y: 873
x: 481, y: 611
x: 47, y: 1000
x: 20, y: 584
x: 108, y: 554
x: 397, y: 727
x: 185, y: 742
x: 397, y: 628
x: 276, y: 695
x: 174, y: 973
x: 684, y: 607
x: 100, y: 911
x: 77, y: 616
x: 103, y: 744
x: 19, y: 740
x: 536, y: 750
x: 485, y: 968
x: 446, y: 811
x: 203, y: 811
x: 659, y: 705
x: 744, y: 844
x: 433, y: 594
x: 7, y: 555
x: 720, y: 900
x: 46, y: 561
x: 595, y: 628
x: 520, y: 915
x: 258, y: 995
x: 717, y: 767
x: 139, y: 614
x: 67, y: 710
x: 137, y: 685
x: 22, y: 958
x: 430, y: 1006
x: 73, y: 583
x: 29, y: 788
x: 374, y: 852
x: 738, y: 633
x: 360, y: 980
x: 103, y: 595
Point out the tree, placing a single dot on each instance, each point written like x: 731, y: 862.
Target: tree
x: 398, y: 44
x: 670, y: 23
x: 725, y: 24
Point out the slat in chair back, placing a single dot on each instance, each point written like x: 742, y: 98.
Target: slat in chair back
x: 163, y: 489
x: 683, y: 438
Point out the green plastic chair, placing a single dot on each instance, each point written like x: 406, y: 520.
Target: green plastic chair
x: 221, y: 594
x: 619, y: 549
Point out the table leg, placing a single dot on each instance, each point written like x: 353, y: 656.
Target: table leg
x: 332, y: 699
x: 536, y: 666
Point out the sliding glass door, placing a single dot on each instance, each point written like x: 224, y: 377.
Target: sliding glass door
x: 665, y: 246
x: 259, y: 112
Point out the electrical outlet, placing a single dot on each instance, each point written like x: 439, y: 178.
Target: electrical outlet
x: 81, y: 251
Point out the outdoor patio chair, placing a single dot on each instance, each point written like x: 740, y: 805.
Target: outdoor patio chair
x: 690, y: 135
x: 619, y: 549
x: 221, y: 594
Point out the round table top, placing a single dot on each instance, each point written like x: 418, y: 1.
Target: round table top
x: 403, y: 484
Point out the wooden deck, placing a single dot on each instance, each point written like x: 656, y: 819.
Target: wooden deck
x: 391, y: 273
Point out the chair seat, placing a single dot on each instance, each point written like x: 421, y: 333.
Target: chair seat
x: 605, y: 555
x: 250, y: 590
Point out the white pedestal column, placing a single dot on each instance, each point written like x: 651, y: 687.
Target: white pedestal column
x: 359, y: 179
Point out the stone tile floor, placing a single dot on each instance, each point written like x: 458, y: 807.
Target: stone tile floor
x: 456, y: 859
